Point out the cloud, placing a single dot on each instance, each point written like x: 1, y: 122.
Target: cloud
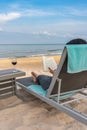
x: 78, y: 12
x: 46, y: 33
x: 9, y: 16
x: 1, y: 29
x: 63, y: 12
x: 72, y: 11
x: 36, y: 12
x: 64, y: 29
x: 14, y: 6
x: 66, y: 11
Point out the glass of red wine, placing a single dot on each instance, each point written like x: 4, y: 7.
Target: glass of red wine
x: 14, y: 62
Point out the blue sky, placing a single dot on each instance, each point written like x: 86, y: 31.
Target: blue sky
x: 42, y: 21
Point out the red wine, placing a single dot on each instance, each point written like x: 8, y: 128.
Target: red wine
x: 14, y: 63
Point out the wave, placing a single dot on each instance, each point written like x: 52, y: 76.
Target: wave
x: 29, y: 54
x: 54, y: 49
x: 25, y: 51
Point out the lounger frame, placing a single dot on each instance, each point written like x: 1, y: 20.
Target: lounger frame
x: 62, y: 107
x: 56, y: 103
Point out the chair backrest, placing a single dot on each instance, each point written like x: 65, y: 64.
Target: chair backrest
x: 69, y: 81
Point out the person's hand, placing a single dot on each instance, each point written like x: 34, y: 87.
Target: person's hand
x: 50, y: 70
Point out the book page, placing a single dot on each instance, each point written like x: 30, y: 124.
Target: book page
x: 49, y: 62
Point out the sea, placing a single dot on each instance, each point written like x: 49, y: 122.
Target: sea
x: 28, y: 50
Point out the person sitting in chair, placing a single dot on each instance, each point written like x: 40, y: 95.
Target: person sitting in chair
x: 45, y: 80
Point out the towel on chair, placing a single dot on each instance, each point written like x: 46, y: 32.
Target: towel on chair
x: 77, y: 58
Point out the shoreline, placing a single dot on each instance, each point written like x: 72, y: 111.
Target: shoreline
x: 34, y: 55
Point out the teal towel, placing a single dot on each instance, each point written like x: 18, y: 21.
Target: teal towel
x: 77, y: 58
x: 37, y: 89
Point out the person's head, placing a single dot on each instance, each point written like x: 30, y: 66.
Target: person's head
x: 77, y: 41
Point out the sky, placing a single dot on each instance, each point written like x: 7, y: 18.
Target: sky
x: 42, y: 21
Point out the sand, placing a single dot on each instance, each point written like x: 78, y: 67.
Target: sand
x: 30, y: 113
x: 26, y: 64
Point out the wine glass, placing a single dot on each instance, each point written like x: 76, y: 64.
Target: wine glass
x: 14, y: 62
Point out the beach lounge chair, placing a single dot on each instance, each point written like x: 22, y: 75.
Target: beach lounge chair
x: 65, y: 87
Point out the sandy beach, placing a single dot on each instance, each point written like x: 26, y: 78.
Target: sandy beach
x: 30, y: 113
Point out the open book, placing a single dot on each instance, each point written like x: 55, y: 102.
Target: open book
x: 49, y: 62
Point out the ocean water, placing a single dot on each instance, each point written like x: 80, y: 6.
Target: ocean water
x: 25, y: 50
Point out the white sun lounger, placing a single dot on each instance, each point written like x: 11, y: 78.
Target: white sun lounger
x: 62, y: 90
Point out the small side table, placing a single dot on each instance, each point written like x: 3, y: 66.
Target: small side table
x: 8, y: 81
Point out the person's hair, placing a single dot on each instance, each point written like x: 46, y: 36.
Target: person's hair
x: 77, y: 41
